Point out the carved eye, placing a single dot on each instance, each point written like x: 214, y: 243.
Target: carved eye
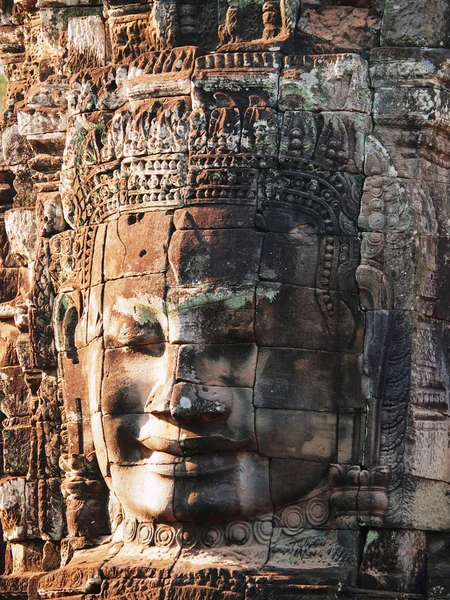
x: 134, y: 323
x: 135, y: 332
x: 303, y: 229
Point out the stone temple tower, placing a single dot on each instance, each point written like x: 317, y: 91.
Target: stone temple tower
x: 225, y: 300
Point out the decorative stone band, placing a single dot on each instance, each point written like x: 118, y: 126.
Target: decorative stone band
x: 239, y: 61
x: 359, y: 496
x: 292, y: 521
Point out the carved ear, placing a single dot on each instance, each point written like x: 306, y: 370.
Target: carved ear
x: 375, y: 292
x: 66, y: 317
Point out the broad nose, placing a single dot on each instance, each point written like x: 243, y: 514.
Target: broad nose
x: 200, y: 403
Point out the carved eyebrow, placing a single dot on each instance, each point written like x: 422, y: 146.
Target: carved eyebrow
x: 142, y: 308
x: 232, y: 301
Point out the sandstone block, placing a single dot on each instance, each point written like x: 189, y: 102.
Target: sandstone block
x: 18, y: 509
x: 44, y: 120
x: 14, y: 401
x: 304, y: 475
x: 415, y: 23
x: 198, y: 315
x: 213, y: 419
x: 134, y: 311
x: 295, y: 258
x: 9, y: 284
x: 26, y: 556
x: 285, y: 379
x: 329, y: 140
x: 341, y: 27
x: 218, y: 217
x: 137, y: 253
x: 403, y: 551
x: 301, y: 434
x: 437, y: 564
x: 8, y: 337
x: 218, y: 364
x: 278, y: 322
x: 234, y: 499
x: 255, y: 71
x: 325, y: 82
x: 21, y: 227
x: 409, y: 105
x: 133, y: 379
x: 327, y: 555
x: 426, y: 444
x: 86, y: 42
x: 417, y: 493
x: 16, y: 450
x: 226, y: 257
x: 16, y: 149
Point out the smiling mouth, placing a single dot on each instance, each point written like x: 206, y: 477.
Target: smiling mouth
x: 177, y: 467
x: 193, y: 445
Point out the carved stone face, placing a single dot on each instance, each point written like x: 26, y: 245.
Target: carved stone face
x: 225, y: 382
x: 219, y: 327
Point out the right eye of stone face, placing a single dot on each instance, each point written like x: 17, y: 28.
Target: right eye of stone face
x: 133, y: 322
x: 133, y: 311
x: 142, y: 327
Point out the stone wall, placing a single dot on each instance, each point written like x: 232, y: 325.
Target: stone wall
x: 288, y: 158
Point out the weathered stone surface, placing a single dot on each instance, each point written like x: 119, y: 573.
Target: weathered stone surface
x: 134, y: 311
x: 218, y: 217
x: 18, y: 509
x: 303, y: 475
x: 437, y: 565
x: 224, y: 321
x: 47, y: 120
x: 86, y: 42
x: 8, y: 338
x: 394, y: 560
x: 288, y: 378
x: 426, y: 164
x: 22, y: 234
x: 16, y: 450
x: 302, y: 434
x: 295, y: 258
x: 234, y: 500
x: 428, y: 431
x: 9, y: 282
x: 14, y: 393
x: 413, y: 65
x: 278, y: 322
x: 196, y: 315
x: 218, y: 364
x: 331, y: 140
x: 325, y: 82
x: 418, y: 492
x: 15, y: 147
x: 228, y: 257
x: 137, y: 252
x: 26, y: 556
x: 410, y: 105
x: 341, y: 27
x: 415, y: 23
x: 429, y: 366
x: 328, y: 555
x: 149, y: 370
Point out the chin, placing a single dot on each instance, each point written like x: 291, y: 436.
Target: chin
x: 143, y: 493
x: 201, y: 489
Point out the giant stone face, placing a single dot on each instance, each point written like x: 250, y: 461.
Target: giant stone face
x: 219, y: 330
x: 224, y: 313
